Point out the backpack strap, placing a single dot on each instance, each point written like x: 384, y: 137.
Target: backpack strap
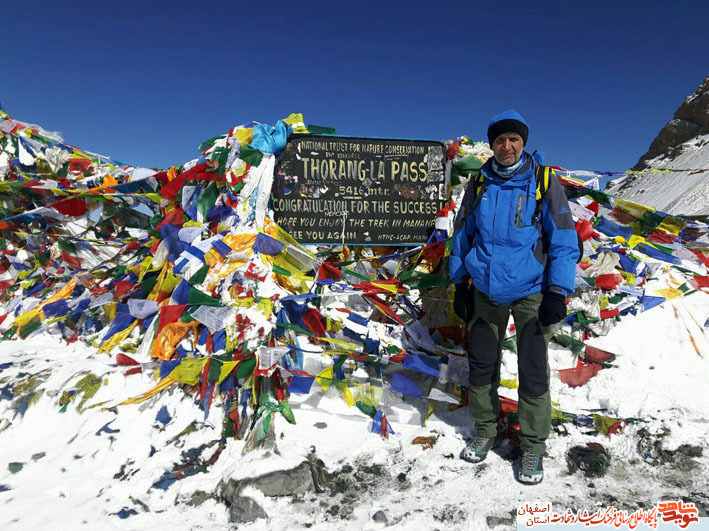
x: 479, y: 183
x: 542, y: 176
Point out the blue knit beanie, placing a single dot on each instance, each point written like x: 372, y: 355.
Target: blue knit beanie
x: 507, y: 122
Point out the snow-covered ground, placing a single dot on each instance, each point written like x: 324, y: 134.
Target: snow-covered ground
x: 78, y: 469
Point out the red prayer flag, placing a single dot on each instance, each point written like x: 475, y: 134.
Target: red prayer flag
x: 607, y: 314
x: 70, y: 207
x: 660, y: 237
x: 122, y: 287
x: 174, y: 217
x: 609, y: 281
x: 578, y: 376
x: 507, y: 405
x: 79, y: 165
x: 584, y: 228
x: 72, y: 261
x: 313, y: 320
x: 327, y: 271
x: 123, y: 359
x: 383, y: 307
x: 169, y: 314
x: 702, y: 281
x: 169, y: 191
x: 452, y: 150
x: 596, y: 355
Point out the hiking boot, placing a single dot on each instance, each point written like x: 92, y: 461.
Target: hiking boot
x: 531, y: 470
x: 479, y: 447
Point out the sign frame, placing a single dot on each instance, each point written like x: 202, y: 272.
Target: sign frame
x: 367, y: 175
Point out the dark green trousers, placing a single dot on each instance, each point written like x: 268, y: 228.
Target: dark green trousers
x: 486, y: 333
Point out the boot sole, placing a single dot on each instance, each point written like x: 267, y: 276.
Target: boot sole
x: 531, y: 480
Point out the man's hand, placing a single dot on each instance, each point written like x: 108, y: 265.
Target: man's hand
x: 552, y: 309
x: 463, y: 301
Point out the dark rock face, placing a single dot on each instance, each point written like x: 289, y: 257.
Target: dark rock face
x: 244, y: 510
x: 309, y: 476
x: 690, y: 120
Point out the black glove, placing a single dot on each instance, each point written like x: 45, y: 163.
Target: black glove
x: 552, y: 309
x: 463, y: 301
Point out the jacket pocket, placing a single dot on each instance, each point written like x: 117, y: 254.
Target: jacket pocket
x: 524, y: 211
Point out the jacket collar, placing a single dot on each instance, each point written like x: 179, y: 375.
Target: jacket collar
x: 522, y: 175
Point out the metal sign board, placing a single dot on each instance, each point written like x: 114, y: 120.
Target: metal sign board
x: 361, y: 191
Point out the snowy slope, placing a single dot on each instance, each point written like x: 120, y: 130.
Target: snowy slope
x: 681, y: 193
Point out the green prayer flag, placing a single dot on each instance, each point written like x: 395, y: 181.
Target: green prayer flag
x: 585, y: 320
x: 510, y: 344
x: 368, y: 410
x: 250, y: 155
x: 198, y: 298
x: 207, y: 199
x: 215, y: 368
x: 246, y: 367
x: 220, y: 154
x: 67, y: 246
x: 287, y: 412
x: 30, y: 327
x: 574, y: 345
x: 209, y: 143
x: 147, y: 285
x: 601, y: 197
x: 465, y: 167
x: 199, y: 276
x: 321, y: 130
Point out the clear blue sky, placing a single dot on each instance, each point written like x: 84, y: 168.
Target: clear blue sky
x: 146, y: 82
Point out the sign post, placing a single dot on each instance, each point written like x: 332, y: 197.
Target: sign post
x: 361, y: 191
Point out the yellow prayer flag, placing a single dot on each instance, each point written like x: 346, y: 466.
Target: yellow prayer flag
x: 116, y: 339
x: 109, y: 180
x: 325, y: 378
x: 628, y: 278
x: 161, y: 386
x: 634, y: 209
x: 26, y: 317
x: 672, y: 225
x: 153, y: 296
x: 367, y: 394
x: 227, y: 367
x: 240, y: 242
x: 296, y: 121
x: 346, y: 394
x: 669, y: 293
x: 340, y: 343
x: 634, y: 240
x: 110, y: 310
x: 212, y: 257
x: 509, y: 384
x: 603, y: 302
x: 187, y: 372
x: 389, y: 287
x: 169, y: 337
x: 169, y: 283
x: 244, y: 135
x: 143, y: 268
x: 265, y: 306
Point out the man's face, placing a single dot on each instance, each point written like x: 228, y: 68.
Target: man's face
x: 507, y: 149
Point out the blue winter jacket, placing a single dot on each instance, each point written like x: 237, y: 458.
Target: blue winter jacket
x: 497, y: 244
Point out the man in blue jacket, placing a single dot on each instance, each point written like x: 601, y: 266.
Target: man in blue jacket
x: 513, y: 252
